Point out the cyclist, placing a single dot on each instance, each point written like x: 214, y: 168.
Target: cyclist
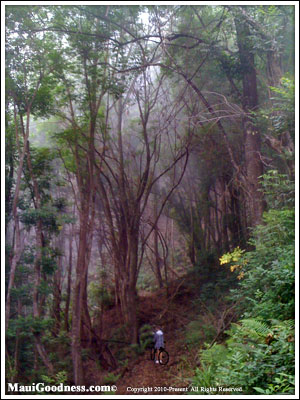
x: 158, y: 342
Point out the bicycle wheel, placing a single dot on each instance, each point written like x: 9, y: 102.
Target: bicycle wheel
x: 152, y: 353
x: 163, y: 357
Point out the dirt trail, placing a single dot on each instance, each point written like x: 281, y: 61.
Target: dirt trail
x: 144, y: 378
x: 147, y: 377
x: 144, y: 374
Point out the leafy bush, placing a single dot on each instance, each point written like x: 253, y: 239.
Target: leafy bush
x: 46, y: 214
x: 268, y: 272
x: 27, y: 326
x: 279, y: 191
x: 145, y: 342
x: 199, y: 331
x: 254, y: 357
x: 100, y: 296
x: 282, y: 384
x: 210, y: 359
x: 110, y: 378
x: 146, y: 336
x: 284, y: 102
x: 259, y: 354
x: 60, y: 377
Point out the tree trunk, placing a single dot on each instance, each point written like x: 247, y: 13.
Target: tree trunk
x: 66, y: 322
x: 252, y: 147
x: 224, y: 233
x: 42, y: 353
x: 86, y: 323
x: 17, y: 251
x: 56, y: 302
x: 129, y: 309
x: 78, y: 298
x: 86, y: 185
x: 17, y: 344
x: 158, y: 260
x: 128, y: 278
x: 57, y: 289
x: 10, y: 182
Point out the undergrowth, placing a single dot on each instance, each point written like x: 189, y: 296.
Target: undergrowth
x: 258, y: 354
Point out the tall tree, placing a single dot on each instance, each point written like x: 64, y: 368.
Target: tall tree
x: 252, y: 136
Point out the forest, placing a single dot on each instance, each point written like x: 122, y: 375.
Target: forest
x: 150, y: 182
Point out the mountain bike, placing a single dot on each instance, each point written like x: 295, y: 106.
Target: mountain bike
x: 163, y: 355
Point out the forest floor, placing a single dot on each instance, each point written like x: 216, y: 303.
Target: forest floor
x: 143, y: 376
x: 138, y: 374
x: 146, y: 377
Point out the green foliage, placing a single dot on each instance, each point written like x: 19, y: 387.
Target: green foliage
x: 253, y: 363
x: 268, y: 283
x: 60, y: 204
x: 230, y: 64
x: 146, y: 279
x: 42, y: 105
x: 145, y: 343
x: 100, y: 294
x: 213, y: 284
x: 39, y: 325
x: 146, y: 337
x: 48, y: 264
x: 61, y: 339
x: 278, y: 190
x: 283, y: 384
x: 31, y: 216
x: 10, y: 371
x: 23, y: 324
x: 27, y: 326
x: 267, y: 288
x: 284, y: 104
x: 214, y: 354
x: 60, y: 377
x: 210, y: 358
x: 111, y: 378
x: 254, y: 357
x: 260, y: 351
x: 255, y: 328
x: 199, y: 331
x: 51, y: 220
x: 277, y: 124
x: 134, y: 350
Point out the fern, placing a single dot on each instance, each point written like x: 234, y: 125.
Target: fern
x: 146, y: 328
x: 288, y: 324
x: 254, y: 328
x: 111, y: 378
x: 216, y: 354
x: 146, y: 337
